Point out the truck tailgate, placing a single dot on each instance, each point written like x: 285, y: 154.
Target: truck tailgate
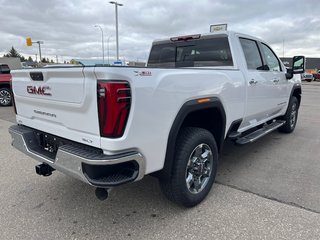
x: 60, y: 101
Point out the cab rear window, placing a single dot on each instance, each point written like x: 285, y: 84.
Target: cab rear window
x: 194, y: 53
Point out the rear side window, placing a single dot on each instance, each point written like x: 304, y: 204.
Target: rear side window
x: 252, y: 54
x: 195, y: 53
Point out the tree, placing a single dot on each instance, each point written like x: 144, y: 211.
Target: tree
x: 30, y: 59
x: 14, y: 53
x: 43, y: 60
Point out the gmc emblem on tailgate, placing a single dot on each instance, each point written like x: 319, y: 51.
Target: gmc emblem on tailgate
x: 39, y: 90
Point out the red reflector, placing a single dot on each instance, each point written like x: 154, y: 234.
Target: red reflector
x: 114, y: 101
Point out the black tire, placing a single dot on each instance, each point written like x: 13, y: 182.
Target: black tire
x: 5, y: 97
x: 192, y: 142
x: 291, y: 116
x: 309, y: 80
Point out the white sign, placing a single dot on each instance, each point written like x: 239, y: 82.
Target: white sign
x: 218, y: 27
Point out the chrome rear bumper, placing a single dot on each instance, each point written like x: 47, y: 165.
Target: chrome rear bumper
x: 83, y: 162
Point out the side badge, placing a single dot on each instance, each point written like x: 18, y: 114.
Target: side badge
x: 143, y: 73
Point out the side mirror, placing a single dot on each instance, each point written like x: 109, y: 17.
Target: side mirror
x: 298, y: 66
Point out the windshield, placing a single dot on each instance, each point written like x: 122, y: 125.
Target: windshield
x: 4, y: 69
x: 195, y: 53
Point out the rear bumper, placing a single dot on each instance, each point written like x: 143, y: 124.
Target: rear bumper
x: 85, y: 163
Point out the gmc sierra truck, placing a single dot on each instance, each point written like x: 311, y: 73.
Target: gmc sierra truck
x: 109, y: 126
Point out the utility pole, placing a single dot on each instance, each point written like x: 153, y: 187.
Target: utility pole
x: 56, y: 58
x: 39, y: 43
x: 117, y: 35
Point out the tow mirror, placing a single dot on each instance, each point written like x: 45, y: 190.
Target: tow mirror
x: 298, y: 66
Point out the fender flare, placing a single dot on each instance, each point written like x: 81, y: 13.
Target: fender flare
x: 185, y: 110
x: 296, y: 87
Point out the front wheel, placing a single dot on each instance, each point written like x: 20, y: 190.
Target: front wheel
x: 291, y: 116
x: 194, y: 168
x: 5, y: 97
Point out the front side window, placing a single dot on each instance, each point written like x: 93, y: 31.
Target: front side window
x: 252, y: 54
x: 271, y: 59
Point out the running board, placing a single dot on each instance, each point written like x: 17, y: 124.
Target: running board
x: 260, y: 132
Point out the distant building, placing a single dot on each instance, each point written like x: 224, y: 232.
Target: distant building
x: 13, y: 63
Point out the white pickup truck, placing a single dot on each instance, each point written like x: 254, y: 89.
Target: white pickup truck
x: 109, y: 126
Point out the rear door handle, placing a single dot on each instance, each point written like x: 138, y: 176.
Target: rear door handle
x: 253, y: 82
x: 276, y: 80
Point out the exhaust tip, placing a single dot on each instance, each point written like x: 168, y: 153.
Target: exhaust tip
x: 102, y: 193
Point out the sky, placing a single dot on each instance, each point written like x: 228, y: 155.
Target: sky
x: 67, y: 27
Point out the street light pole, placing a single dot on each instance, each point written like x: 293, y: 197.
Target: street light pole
x: 108, y: 49
x: 117, y: 36
x: 102, y: 42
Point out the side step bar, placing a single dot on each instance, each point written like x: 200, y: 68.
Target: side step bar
x: 251, y: 137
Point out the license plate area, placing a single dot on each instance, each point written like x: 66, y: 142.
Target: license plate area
x: 47, y: 145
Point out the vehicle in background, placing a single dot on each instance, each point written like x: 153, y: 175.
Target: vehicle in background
x: 5, y: 85
x: 316, y: 76
x: 307, y: 77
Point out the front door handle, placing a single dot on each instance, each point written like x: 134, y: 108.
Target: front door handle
x: 276, y: 80
x: 253, y: 82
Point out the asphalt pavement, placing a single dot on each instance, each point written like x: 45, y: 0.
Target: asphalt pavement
x: 266, y: 190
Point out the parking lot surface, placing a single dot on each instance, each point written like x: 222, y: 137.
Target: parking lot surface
x: 266, y: 190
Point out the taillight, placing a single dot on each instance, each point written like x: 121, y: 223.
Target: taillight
x: 114, y: 101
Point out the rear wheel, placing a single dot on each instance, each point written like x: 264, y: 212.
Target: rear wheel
x: 291, y: 116
x: 194, y: 169
x: 5, y: 97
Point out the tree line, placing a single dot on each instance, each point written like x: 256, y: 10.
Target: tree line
x: 14, y: 53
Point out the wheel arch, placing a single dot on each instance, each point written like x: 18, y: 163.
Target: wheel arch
x: 5, y: 85
x: 296, y: 91
x: 191, y: 114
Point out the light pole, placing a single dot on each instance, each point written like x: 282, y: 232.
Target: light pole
x: 102, y: 42
x: 108, y: 49
x: 40, y: 42
x: 116, y: 4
